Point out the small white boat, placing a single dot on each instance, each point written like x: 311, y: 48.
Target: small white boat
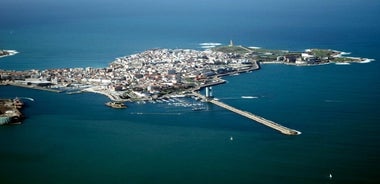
x: 249, y: 97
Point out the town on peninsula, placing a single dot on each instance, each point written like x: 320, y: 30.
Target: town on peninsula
x: 160, y: 73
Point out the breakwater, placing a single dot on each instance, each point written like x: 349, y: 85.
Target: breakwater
x: 256, y: 118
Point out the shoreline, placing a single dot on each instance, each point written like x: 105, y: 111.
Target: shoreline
x: 131, y: 81
x: 115, y: 97
x: 160, y: 73
x: 104, y: 92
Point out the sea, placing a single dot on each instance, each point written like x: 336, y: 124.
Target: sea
x: 77, y: 139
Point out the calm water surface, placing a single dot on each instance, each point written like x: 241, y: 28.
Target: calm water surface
x: 76, y: 139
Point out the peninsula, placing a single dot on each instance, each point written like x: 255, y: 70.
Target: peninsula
x: 157, y: 73
x: 160, y: 73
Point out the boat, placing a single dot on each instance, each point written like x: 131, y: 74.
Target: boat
x: 116, y: 105
x: 250, y: 97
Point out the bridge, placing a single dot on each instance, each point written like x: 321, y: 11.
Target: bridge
x: 259, y: 119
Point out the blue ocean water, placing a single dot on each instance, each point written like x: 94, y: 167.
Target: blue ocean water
x: 76, y: 139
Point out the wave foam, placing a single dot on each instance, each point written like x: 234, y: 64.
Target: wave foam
x: 342, y: 63
x: 210, y: 44
x: 207, y: 46
x: 366, y: 60
x: 249, y: 97
x: 253, y: 47
x: 341, y: 53
x: 345, y: 53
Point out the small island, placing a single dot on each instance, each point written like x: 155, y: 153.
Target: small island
x: 116, y: 105
x: 10, y: 111
x: 161, y: 73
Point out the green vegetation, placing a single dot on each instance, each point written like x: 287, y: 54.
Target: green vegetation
x: 261, y: 51
x: 261, y: 54
x: 268, y: 55
x: 322, y: 53
x: 232, y: 49
x: 345, y: 59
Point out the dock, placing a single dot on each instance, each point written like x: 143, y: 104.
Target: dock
x: 256, y: 118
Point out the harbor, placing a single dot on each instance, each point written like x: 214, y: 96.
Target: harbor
x: 157, y: 73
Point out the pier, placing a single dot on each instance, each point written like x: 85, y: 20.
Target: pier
x: 259, y: 119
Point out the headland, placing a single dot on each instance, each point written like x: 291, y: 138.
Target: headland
x: 160, y: 73
x: 157, y: 73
